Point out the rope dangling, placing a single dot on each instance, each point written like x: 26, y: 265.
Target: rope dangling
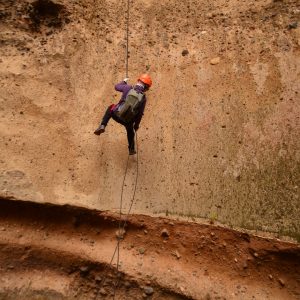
x: 127, y: 37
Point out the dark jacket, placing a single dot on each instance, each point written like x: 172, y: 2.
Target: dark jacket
x: 124, y: 88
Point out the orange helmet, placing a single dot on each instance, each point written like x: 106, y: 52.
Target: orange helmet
x: 146, y: 79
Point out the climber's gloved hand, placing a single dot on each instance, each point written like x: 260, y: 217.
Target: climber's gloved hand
x: 126, y: 80
x: 136, y: 127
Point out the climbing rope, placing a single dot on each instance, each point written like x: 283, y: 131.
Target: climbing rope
x: 120, y: 233
x: 121, y: 228
x: 127, y: 37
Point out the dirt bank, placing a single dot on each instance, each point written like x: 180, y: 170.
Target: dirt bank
x: 64, y: 252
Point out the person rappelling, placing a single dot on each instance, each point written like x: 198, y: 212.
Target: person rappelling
x: 130, y: 109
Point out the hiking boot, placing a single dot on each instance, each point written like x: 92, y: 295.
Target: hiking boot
x: 99, y: 130
x: 132, y: 151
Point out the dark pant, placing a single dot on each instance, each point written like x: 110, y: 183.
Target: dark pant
x: 129, y: 127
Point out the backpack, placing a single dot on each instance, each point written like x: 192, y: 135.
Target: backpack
x: 128, y: 110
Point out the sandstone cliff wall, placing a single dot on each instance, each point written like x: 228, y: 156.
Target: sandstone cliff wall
x: 220, y: 135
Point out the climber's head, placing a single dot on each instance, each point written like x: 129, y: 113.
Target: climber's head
x: 146, y: 80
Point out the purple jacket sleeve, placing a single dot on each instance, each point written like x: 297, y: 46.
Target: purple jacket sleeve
x: 124, y: 88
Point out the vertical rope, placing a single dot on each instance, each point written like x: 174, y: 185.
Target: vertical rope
x: 127, y: 37
x: 121, y: 229
x: 136, y: 181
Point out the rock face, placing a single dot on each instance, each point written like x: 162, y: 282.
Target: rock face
x: 216, y: 141
x: 215, y: 61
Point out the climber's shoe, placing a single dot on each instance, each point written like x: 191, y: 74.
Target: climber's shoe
x: 99, y: 130
x: 132, y: 151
